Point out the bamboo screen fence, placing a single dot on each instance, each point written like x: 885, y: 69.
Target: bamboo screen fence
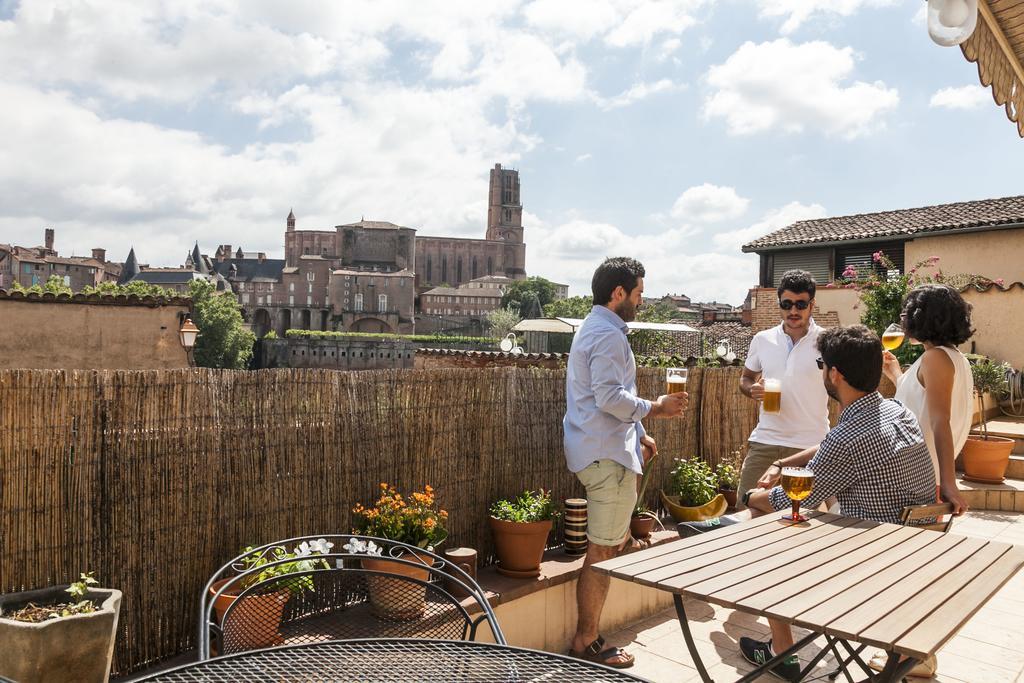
x: 153, y: 479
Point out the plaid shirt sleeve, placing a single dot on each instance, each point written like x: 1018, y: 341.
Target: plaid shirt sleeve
x: 834, y: 471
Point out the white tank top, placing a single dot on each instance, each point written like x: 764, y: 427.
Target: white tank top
x: 910, y: 393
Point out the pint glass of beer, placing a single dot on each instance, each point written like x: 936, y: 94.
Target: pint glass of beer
x: 797, y: 482
x: 675, y: 380
x: 772, y: 395
x: 892, y: 337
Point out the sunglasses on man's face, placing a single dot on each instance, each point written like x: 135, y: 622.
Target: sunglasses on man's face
x: 786, y: 304
x: 821, y: 363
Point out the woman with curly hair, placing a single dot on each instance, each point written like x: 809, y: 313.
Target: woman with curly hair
x: 938, y: 387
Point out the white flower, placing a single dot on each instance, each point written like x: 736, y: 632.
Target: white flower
x: 322, y: 546
x: 372, y: 549
x: 355, y: 546
x: 304, y: 549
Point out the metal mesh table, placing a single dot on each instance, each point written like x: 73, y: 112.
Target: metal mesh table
x: 391, y: 660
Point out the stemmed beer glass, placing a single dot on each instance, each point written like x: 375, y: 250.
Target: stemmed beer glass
x: 892, y: 337
x: 797, y: 482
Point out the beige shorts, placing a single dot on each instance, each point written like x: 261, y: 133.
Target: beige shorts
x: 759, y: 458
x: 611, y: 497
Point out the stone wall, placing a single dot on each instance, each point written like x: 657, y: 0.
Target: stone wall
x: 91, y: 332
x: 341, y: 354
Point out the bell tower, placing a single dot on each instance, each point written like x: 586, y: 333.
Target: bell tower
x: 504, y: 208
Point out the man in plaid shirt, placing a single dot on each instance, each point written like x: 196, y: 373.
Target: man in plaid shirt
x: 874, y: 461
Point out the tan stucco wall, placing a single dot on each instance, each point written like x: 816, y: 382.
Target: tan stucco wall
x: 35, y: 334
x: 842, y: 302
x: 998, y: 320
x: 993, y: 254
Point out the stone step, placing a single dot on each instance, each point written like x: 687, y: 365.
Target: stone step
x: 1006, y: 497
x: 1015, y: 470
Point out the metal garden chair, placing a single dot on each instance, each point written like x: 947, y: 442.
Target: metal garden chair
x: 260, y: 599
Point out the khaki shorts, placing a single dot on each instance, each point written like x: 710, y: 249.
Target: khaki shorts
x: 759, y: 458
x: 611, y: 497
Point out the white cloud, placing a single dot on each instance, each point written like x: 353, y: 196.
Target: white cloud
x: 584, y: 157
x: 797, y: 12
x: 964, y: 97
x: 794, y: 87
x: 775, y: 219
x: 636, y: 93
x: 709, y: 203
x: 618, y: 23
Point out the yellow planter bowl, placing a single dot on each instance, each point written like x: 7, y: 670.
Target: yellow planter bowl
x: 715, y: 507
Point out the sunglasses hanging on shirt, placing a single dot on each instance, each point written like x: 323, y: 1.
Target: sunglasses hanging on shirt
x: 786, y: 304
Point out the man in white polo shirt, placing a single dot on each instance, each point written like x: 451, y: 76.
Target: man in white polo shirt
x: 786, y: 353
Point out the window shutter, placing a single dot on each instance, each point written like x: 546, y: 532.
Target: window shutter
x: 814, y: 261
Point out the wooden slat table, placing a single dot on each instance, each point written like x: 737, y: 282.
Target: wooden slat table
x: 901, y: 589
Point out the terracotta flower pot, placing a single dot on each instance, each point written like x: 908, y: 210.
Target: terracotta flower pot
x: 253, y: 623
x: 397, y: 599
x: 685, y: 513
x: 985, y: 460
x: 520, y: 546
x: 74, y: 648
x: 640, y: 527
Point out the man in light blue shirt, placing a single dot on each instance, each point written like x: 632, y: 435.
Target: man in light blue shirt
x: 605, y: 444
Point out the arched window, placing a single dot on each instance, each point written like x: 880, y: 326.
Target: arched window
x: 358, y: 305
x: 444, y: 269
x: 490, y: 265
x: 430, y: 270
x: 473, y: 267
x: 458, y: 271
x: 382, y: 303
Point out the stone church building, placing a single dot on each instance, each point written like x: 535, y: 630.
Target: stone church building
x: 367, y: 276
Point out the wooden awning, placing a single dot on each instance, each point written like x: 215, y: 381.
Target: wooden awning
x: 997, y: 46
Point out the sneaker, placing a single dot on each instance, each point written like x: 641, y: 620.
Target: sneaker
x: 759, y: 651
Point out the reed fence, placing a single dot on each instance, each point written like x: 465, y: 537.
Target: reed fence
x: 153, y: 479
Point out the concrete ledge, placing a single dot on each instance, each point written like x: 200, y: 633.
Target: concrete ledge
x: 541, y: 613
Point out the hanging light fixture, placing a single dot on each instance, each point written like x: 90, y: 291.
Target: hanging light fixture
x: 951, y: 22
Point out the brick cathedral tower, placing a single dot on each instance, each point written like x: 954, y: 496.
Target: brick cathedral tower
x: 504, y: 209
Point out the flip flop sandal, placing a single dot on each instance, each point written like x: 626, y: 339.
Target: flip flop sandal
x: 594, y: 653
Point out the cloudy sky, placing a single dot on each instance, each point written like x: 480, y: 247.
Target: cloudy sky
x: 669, y: 130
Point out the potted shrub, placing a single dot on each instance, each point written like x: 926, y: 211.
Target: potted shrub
x: 416, y: 521
x: 521, y: 527
x: 693, y: 492
x: 986, y: 457
x: 58, y: 634
x: 728, y: 474
x: 256, y: 620
x: 644, y: 519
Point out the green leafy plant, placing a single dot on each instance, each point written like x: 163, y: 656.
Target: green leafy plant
x: 694, y: 482
x: 989, y: 377
x: 270, y: 335
x: 415, y: 521
x: 501, y: 321
x: 728, y: 472
x: 302, y: 561
x: 641, y: 507
x: 223, y: 340
x: 882, y: 289
x: 530, y: 506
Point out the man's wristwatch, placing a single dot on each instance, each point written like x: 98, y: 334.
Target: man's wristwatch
x: 777, y: 463
x: 745, y: 498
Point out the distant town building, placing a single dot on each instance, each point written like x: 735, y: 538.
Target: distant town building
x: 196, y: 267
x: 30, y: 266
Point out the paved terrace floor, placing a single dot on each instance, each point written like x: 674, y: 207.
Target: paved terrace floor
x: 989, y: 649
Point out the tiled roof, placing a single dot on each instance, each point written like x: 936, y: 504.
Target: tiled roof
x: 375, y: 225
x: 491, y: 354
x: 250, y: 269
x: 896, y: 224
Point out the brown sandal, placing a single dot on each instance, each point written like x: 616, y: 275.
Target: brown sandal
x: 595, y: 653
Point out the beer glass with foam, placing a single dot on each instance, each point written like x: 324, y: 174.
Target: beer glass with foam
x: 772, y: 402
x: 797, y: 482
x: 892, y: 337
x: 675, y: 380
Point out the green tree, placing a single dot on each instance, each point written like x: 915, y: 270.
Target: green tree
x: 518, y: 291
x: 53, y: 285
x: 501, y: 321
x: 223, y: 341
x: 136, y: 287
x: 573, y: 307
